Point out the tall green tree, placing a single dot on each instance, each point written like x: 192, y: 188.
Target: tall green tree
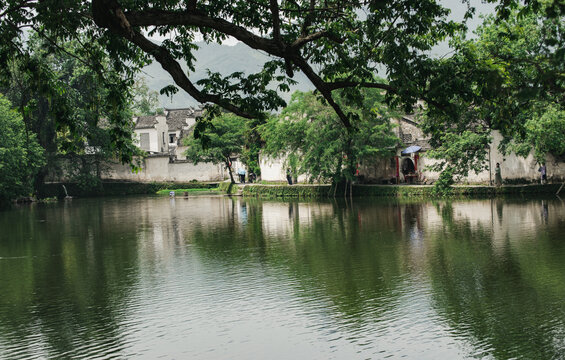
x: 222, y: 139
x: 73, y: 110
x: 317, y: 143
x: 336, y: 44
x: 144, y: 101
x: 21, y: 157
x: 511, y: 78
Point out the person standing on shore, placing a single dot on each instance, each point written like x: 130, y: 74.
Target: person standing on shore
x: 497, y: 176
x: 543, y: 171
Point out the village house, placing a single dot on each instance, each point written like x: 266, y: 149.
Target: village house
x: 411, y: 165
x: 150, y: 133
x: 162, y: 137
x: 180, y: 124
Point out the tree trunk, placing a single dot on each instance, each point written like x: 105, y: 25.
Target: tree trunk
x: 228, y: 165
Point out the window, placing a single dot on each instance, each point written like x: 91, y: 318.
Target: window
x: 144, y: 141
x: 172, y: 138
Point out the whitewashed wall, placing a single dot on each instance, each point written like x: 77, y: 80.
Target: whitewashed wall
x: 274, y: 169
x: 158, y: 168
x: 512, y: 167
x: 156, y: 143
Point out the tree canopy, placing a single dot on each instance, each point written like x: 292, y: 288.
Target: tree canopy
x: 315, y: 142
x: 511, y: 78
x: 20, y: 154
x: 340, y: 46
x: 336, y: 44
x: 71, y: 110
x: 218, y: 142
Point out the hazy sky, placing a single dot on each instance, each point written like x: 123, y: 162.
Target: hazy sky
x: 457, y: 7
x: 157, y: 78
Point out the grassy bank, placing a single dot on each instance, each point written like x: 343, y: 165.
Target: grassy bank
x: 118, y: 188
x: 181, y: 192
x: 228, y: 188
x: 321, y: 191
x: 285, y: 191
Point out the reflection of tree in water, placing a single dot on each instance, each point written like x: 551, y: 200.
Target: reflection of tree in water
x: 356, y: 270
x: 499, y: 298
x: 65, y: 274
x: 229, y: 241
x: 500, y: 210
x: 413, y: 218
x: 544, y: 211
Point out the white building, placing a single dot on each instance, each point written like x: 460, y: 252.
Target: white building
x: 180, y: 124
x: 150, y: 133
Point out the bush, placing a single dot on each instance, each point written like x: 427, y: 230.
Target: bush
x: 21, y: 157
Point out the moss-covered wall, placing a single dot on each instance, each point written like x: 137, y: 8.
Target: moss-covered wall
x: 116, y: 188
x: 295, y: 191
x: 320, y: 191
x: 228, y: 187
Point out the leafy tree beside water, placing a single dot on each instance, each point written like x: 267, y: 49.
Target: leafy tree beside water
x: 317, y: 143
x: 218, y: 141
x: 20, y: 154
x: 75, y: 111
x: 337, y: 45
x: 511, y: 79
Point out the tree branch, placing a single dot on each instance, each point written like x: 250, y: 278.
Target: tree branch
x: 173, y: 67
x: 23, y: 4
x: 303, y: 40
x: 123, y: 27
x: 274, y: 4
x: 323, y: 87
x: 187, y: 18
x: 308, y: 19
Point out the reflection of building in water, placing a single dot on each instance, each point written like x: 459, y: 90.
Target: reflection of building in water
x: 243, y: 212
x: 280, y: 217
x: 164, y: 225
x: 163, y: 230
x: 505, y: 219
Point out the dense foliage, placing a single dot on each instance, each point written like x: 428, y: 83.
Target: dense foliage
x: 511, y: 78
x: 222, y: 139
x: 20, y: 154
x: 317, y: 144
x: 336, y: 44
x: 74, y: 111
x: 505, y: 80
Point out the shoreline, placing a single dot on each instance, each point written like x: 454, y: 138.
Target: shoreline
x: 301, y: 191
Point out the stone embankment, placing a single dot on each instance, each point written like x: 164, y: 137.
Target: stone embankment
x: 321, y: 191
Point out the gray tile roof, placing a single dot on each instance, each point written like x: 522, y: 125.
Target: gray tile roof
x: 176, y: 118
x: 146, y: 122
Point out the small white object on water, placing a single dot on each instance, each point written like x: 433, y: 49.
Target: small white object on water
x: 171, y: 194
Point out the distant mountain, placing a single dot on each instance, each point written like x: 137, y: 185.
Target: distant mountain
x: 228, y: 59
x: 219, y: 58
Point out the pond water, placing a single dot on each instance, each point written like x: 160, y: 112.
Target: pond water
x: 232, y: 278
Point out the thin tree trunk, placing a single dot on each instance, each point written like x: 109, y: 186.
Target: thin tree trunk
x: 335, y: 190
x: 229, y: 170
x: 558, y: 191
